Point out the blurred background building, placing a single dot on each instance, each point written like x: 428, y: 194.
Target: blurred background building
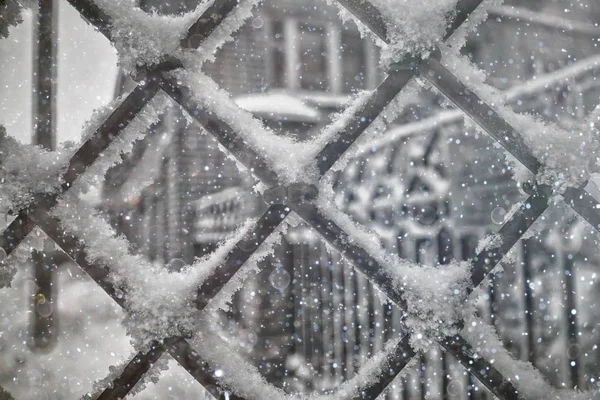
x: 431, y: 187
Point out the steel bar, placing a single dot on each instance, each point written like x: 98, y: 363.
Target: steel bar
x: 76, y: 249
x: 44, y: 328
x: 488, y: 119
x: 484, y: 371
x: 91, y: 12
x: 389, y: 88
x: 16, y: 232
x: 509, y: 234
x: 221, y: 130
x: 369, y: 267
x: 133, y: 372
x: 208, y: 22
x: 395, y: 363
x: 244, y: 249
x: 185, y: 355
x: 479, y: 111
x: 356, y: 125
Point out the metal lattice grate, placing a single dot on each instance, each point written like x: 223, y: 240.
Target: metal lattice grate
x: 150, y: 81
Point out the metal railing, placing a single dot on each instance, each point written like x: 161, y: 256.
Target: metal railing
x: 298, y: 198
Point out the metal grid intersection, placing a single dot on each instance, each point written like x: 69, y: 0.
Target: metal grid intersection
x: 282, y: 200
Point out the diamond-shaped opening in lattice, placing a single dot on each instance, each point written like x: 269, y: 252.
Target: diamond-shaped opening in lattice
x: 56, y: 345
x: 437, y: 375
x: 542, y: 299
x: 294, y: 66
x: 82, y: 53
x: 298, y: 47
x: 306, y: 321
x: 168, y: 380
x: 428, y: 182
x: 178, y: 194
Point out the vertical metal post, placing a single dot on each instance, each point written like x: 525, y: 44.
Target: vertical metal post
x: 44, y: 74
x: 571, y: 311
x: 526, y: 266
x: 44, y: 319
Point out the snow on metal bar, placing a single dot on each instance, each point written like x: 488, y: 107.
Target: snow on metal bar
x: 356, y: 124
x: 368, y: 15
x: 78, y: 252
x: 533, y: 86
x: 338, y: 238
x: 14, y: 233
x: 479, y: 111
x: 110, y: 128
x: 395, y: 361
x: 479, y: 367
x: 234, y: 260
x: 95, y: 145
x: 375, y: 272
x: 215, y: 27
x: 133, y: 372
x: 397, y: 79
x: 188, y: 358
x: 221, y: 130
x: 208, y: 22
x: 509, y: 234
x: 244, y: 379
x: 497, y: 127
